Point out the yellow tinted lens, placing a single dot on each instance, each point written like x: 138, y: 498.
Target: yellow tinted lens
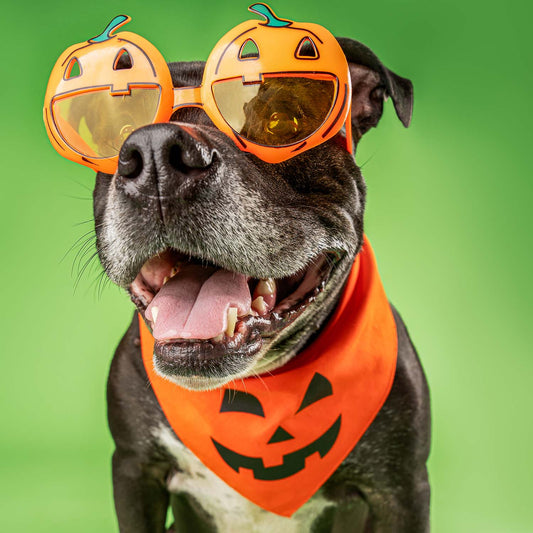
x: 96, y: 124
x: 276, y: 112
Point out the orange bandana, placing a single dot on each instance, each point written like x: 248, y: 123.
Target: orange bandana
x: 276, y: 439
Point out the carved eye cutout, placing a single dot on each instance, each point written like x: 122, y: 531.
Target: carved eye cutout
x: 249, y: 50
x: 236, y: 401
x: 307, y: 49
x: 319, y: 388
x: 73, y: 69
x: 123, y: 60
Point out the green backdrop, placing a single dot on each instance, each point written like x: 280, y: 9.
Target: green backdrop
x: 449, y: 205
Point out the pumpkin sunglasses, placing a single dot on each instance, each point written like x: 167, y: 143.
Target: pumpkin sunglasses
x: 276, y: 88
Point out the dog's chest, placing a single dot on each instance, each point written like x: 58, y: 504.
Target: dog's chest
x: 230, y: 511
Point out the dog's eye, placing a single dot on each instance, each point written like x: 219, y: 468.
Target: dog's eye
x: 281, y: 125
x: 126, y: 131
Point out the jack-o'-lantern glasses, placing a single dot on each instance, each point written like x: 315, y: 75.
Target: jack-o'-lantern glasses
x: 277, y: 88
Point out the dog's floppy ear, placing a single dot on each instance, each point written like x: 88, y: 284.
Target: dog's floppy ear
x: 371, y: 83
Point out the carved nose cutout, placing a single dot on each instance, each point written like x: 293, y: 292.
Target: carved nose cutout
x: 280, y: 435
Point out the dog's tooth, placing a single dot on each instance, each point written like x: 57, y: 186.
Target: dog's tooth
x: 232, y: 320
x: 264, y: 287
x: 259, y: 305
x: 219, y: 337
x: 155, y: 311
x: 175, y: 269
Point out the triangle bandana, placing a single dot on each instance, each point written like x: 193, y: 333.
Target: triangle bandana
x: 277, y: 438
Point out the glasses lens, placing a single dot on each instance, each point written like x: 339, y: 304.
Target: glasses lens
x: 96, y: 124
x: 278, y: 111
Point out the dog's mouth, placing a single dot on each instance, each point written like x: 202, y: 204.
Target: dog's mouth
x: 200, y: 314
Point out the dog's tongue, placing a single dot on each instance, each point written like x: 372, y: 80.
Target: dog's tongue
x: 194, y: 303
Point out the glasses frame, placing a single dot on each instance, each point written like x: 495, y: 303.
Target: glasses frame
x: 224, y: 63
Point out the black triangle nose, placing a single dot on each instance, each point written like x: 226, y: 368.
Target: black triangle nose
x: 280, y: 435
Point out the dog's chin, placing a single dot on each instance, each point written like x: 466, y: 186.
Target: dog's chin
x: 212, y: 326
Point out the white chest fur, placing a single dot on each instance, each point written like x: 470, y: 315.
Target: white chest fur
x: 230, y: 511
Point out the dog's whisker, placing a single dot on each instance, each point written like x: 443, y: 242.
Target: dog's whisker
x: 89, y: 261
x: 366, y: 161
x: 82, y: 252
x: 73, y: 197
x: 100, y: 282
x: 88, y: 234
x: 92, y: 266
x: 83, y: 186
x: 89, y: 221
x: 258, y: 376
x: 80, y: 256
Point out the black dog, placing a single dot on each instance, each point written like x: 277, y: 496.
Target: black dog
x: 185, y: 192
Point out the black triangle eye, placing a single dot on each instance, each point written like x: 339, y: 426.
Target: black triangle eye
x: 319, y: 388
x: 123, y: 60
x: 241, y: 402
x: 307, y: 49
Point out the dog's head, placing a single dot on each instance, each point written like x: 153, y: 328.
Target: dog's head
x: 235, y: 263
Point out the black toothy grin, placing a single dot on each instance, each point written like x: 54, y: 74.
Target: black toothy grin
x: 293, y: 462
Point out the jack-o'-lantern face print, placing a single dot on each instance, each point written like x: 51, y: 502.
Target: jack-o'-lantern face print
x: 300, y: 440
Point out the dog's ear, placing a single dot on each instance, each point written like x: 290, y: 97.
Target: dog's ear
x: 371, y: 84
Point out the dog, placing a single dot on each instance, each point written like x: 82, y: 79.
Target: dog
x: 185, y: 194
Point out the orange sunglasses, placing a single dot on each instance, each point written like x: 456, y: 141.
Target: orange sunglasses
x: 277, y: 88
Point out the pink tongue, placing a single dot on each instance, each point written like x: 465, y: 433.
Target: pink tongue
x: 194, y: 303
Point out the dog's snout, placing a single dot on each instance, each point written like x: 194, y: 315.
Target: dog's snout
x: 165, y: 151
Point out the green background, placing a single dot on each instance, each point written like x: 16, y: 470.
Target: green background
x: 449, y: 206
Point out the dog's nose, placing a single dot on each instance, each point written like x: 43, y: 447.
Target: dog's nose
x: 167, y: 151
